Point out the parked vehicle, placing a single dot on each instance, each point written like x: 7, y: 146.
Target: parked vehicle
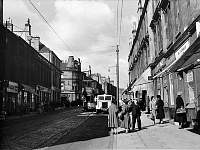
x: 103, y: 102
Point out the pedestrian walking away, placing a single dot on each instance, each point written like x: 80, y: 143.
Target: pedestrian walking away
x: 180, y: 115
x: 126, y: 119
x: 112, y: 117
x: 152, y: 106
x: 136, y: 113
x: 160, y: 110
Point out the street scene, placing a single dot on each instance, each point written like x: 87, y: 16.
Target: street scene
x: 99, y: 74
x: 88, y: 130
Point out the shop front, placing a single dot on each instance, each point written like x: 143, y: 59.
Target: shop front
x: 28, y: 98
x: 143, y: 89
x: 10, y: 102
x: 44, y: 96
x: 188, y: 70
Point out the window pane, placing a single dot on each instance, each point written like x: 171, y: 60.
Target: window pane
x: 108, y: 98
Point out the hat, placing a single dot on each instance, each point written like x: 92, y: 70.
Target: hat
x: 179, y: 93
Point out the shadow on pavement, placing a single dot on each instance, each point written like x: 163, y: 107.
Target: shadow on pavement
x: 197, y: 131
x: 94, y: 127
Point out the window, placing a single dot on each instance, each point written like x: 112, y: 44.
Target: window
x: 108, y: 98
x: 101, y: 97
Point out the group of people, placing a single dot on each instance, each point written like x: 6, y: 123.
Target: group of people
x: 125, y: 116
x: 157, y: 109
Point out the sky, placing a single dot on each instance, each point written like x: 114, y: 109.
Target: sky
x: 85, y: 29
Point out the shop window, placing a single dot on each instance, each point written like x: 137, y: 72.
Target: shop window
x: 25, y: 97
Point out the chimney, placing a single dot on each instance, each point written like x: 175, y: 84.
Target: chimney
x: 28, y: 31
x: 1, y: 12
x: 70, y: 62
x: 35, y: 41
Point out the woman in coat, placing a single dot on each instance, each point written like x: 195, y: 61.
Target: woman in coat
x: 112, y: 117
x: 153, y: 109
x: 180, y: 117
x: 126, y: 119
x: 160, y: 110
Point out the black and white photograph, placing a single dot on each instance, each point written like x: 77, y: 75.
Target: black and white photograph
x: 99, y: 74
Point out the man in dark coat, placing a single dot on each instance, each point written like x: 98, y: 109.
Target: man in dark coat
x: 180, y: 117
x: 136, y: 113
x: 160, y: 110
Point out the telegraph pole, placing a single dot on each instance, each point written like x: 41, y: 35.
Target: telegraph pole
x: 117, y: 70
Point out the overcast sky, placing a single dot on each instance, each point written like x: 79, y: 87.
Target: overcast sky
x: 87, y: 27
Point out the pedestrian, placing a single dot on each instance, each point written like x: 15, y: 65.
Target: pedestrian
x: 160, y: 109
x: 120, y: 115
x: 152, y: 106
x: 112, y: 117
x: 136, y: 113
x: 180, y: 111
x: 126, y: 119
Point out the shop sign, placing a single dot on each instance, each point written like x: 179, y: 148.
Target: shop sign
x: 198, y: 28
x: 12, y: 87
x: 182, y: 50
x: 170, y: 60
x: 189, y: 76
x: 43, y: 89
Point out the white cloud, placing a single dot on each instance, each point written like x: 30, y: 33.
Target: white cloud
x: 80, y: 22
x: 86, y: 27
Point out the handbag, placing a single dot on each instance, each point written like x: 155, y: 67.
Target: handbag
x: 181, y: 111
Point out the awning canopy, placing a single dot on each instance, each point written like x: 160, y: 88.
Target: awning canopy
x: 29, y: 89
x: 186, y: 60
x: 142, y: 82
x: 167, y: 69
x: 189, y: 58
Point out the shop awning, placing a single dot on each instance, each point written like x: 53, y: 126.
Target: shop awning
x: 167, y: 69
x: 185, y: 60
x: 189, y: 58
x: 193, y: 61
x: 142, y: 82
x: 29, y: 89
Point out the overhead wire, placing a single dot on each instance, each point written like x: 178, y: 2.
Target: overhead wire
x: 51, y: 27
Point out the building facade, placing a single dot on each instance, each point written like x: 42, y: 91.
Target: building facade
x: 176, y: 71
x: 25, y: 75
x: 140, y: 58
x: 108, y: 86
x: 55, y: 71
x: 71, y: 80
x: 172, y: 50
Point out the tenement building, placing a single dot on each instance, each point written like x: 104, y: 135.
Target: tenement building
x: 71, y: 80
x: 26, y: 76
x: 172, y: 43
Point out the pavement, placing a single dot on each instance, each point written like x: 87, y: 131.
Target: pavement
x: 159, y: 136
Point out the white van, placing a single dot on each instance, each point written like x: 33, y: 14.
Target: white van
x: 103, y: 102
